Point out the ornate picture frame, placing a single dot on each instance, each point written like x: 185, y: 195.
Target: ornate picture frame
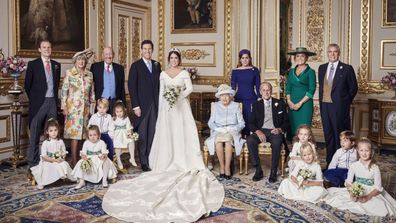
x: 63, y: 23
x: 388, y: 14
x: 388, y: 54
x: 193, y: 16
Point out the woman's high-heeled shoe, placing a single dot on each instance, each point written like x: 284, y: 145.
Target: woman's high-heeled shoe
x: 228, y: 177
x: 222, y: 175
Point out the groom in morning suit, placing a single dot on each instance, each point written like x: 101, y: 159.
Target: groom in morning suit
x: 143, y: 86
x: 41, y: 86
x: 337, y: 88
x: 268, y: 122
x: 109, y: 78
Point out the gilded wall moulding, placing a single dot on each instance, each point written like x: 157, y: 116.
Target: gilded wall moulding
x: 194, y: 54
x: 5, y: 85
x: 136, y: 37
x: 366, y: 85
x: 315, y: 28
x: 316, y: 119
x: 101, y: 26
x: 122, y: 40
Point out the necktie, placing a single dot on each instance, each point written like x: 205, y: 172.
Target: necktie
x: 331, y: 74
x: 47, y: 67
x: 149, y: 66
x: 108, y: 68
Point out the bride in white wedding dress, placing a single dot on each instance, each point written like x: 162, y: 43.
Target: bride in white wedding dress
x: 179, y: 188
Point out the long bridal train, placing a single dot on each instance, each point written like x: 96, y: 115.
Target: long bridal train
x: 179, y: 188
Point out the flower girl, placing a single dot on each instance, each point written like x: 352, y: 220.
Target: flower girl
x: 304, y: 135
x: 52, y: 166
x: 94, y: 164
x: 122, y: 134
x: 305, y: 182
x: 363, y: 193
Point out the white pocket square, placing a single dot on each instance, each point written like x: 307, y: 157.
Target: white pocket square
x: 280, y: 112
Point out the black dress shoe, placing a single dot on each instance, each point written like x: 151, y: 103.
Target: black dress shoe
x: 222, y: 175
x: 228, y: 177
x: 272, y: 179
x: 145, y: 168
x: 258, y: 176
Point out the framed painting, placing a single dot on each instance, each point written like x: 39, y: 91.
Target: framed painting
x: 193, y: 16
x: 388, y: 55
x: 63, y: 23
x: 388, y: 13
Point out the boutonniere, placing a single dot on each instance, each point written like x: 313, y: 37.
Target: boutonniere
x: 340, y: 67
x: 276, y: 104
x: 155, y: 63
x: 56, y: 67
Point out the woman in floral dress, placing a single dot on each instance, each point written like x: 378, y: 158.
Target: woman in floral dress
x: 78, y: 100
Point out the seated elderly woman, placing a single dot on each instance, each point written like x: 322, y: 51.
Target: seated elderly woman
x: 226, y: 122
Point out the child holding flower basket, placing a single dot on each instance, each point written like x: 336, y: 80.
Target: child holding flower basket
x: 94, y: 164
x: 363, y: 193
x: 52, y: 166
x: 123, y: 136
x: 305, y: 182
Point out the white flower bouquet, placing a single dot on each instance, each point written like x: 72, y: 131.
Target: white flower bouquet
x: 60, y: 154
x: 171, y: 94
x: 135, y: 136
x: 86, y: 165
x: 304, y: 174
x: 356, y: 190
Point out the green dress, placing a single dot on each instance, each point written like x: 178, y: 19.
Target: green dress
x: 298, y: 87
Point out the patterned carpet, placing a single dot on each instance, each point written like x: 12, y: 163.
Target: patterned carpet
x: 246, y: 201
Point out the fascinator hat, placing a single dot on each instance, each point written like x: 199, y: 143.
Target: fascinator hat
x: 87, y: 53
x: 224, y: 89
x: 302, y: 50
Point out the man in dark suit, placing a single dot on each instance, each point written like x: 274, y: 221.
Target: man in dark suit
x: 337, y: 88
x: 109, y: 78
x: 143, y: 86
x: 268, y: 122
x: 41, y: 86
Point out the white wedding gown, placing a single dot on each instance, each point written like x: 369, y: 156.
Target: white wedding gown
x: 179, y: 188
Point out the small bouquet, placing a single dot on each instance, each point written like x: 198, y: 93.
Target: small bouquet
x: 304, y: 174
x: 13, y: 65
x: 86, y: 165
x: 193, y: 72
x: 134, y: 136
x: 389, y: 80
x: 356, y: 190
x: 171, y: 94
x: 60, y: 154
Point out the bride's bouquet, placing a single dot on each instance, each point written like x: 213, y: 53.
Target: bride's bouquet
x: 171, y: 93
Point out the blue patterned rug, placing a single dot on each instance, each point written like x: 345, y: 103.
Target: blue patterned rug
x: 246, y: 201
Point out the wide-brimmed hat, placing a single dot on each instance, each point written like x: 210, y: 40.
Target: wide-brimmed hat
x: 302, y: 50
x: 224, y: 89
x: 87, y: 53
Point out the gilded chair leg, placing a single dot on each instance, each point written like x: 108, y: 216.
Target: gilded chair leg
x: 283, y: 162
x: 246, y: 161
x: 241, y: 156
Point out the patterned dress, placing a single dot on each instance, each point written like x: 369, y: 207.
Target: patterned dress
x: 78, y: 98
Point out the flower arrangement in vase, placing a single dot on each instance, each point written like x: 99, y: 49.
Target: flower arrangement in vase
x: 193, y: 72
x: 390, y: 81
x: 13, y: 66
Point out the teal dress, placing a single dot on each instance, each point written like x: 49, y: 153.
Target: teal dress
x: 298, y: 87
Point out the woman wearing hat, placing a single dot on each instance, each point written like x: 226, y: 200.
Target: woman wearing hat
x: 245, y: 80
x: 225, y: 123
x: 300, y: 89
x: 77, y: 100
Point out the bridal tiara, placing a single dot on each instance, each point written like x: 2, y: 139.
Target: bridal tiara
x: 174, y: 49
